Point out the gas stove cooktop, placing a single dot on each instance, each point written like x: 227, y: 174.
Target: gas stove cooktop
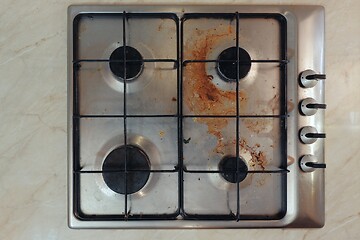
x: 196, y: 116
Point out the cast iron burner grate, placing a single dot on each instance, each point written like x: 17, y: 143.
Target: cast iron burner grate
x: 179, y: 63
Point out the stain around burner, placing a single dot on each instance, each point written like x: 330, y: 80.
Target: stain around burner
x: 228, y: 166
x: 227, y: 70
x: 136, y: 160
x: 133, y: 69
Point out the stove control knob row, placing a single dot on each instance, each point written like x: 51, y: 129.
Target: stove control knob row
x: 309, y: 78
x: 309, y: 135
x: 308, y: 163
x: 309, y: 106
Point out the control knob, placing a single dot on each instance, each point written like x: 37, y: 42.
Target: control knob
x: 309, y: 106
x: 309, y: 135
x: 309, y: 78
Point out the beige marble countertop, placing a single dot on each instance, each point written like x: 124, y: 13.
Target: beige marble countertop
x: 33, y: 128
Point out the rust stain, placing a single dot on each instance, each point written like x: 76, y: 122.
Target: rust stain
x: 200, y: 93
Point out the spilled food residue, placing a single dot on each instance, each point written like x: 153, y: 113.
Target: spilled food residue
x: 258, y: 159
x: 257, y: 125
x: 201, y: 95
x: 162, y: 134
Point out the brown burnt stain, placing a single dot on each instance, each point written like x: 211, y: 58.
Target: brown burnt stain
x: 258, y: 125
x: 162, y: 134
x: 274, y: 103
x: 290, y: 160
x: 161, y: 25
x: 258, y: 159
x: 200, y: 94
x: 290, y: 106
x: 165, y: 27
x: 174, y: 99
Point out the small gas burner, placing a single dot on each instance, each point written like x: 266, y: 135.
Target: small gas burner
x: 196, y: 116
x: 232, y: 170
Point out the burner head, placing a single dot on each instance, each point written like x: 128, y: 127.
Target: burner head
x: 228, y: 166
x: 136, y: 160
x: 133, y: 69
x: 227, y: 70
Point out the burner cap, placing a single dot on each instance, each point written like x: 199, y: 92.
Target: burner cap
x: 136, y: 160
x: 133, y: 69
x: 227, y: 70
x: 228, y: 165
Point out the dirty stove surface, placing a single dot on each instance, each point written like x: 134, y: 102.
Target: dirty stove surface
x: 203, y: 131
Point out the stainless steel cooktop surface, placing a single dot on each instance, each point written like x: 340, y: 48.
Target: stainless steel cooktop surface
x: 195, y: 116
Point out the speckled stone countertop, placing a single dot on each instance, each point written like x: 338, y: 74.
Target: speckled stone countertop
x: 33, y: 101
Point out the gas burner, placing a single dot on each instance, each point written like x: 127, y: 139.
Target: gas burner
x: 227, y: 70
x: 137, y: 165
x: 133, y: 69
x: 228, y: 166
